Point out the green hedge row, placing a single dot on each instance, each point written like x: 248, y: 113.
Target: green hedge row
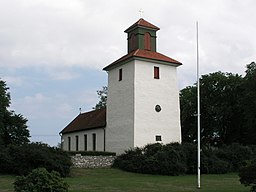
x: 176, y: 159
x: 23, y: 159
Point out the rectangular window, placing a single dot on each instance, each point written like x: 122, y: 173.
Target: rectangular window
x: 94, y: 141
x: 85, y: 142
x: 156, y: 73
x: 77, y: 142
x: 69, y: 143
x: 120, y: 74
x: 158, y: 138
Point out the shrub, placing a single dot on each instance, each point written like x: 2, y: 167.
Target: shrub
x: 236, y: 155
x: 23, y: 159
x: 191, y: 157
x: 176, y: 159
x: 153, y: 159
x: 248, y: 175
x: 40, y: 180
x: 211, y: 164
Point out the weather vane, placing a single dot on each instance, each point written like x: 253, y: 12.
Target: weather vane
x: 141, y: 12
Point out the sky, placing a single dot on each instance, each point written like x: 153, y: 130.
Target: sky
x: 52, y: 51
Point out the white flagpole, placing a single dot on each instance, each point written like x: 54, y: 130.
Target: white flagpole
x: 198, y: 112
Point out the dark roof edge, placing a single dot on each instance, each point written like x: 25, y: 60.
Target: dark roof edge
x: 124, y: 60
x: 82, y: 129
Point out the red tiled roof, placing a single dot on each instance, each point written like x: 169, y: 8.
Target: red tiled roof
x: 89, y: 120
x: 140, y: 53
x: 141, y: 22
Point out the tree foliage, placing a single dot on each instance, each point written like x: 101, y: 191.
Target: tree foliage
x: 249, y: 104
x: 24, y: 158
x: 13, y: 128
x: 102, y: 95
x: 220, y: 95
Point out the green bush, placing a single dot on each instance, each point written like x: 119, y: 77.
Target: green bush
x: 40, y: 180
x: 23, y: 159
x: 176, y: 159
x: 236, y: 155
x: 153, y: 159
x: 5, y: 161
x: 191, y: 157
x: 211, y: 164
x: 247, y: 175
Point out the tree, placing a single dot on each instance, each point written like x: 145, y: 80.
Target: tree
x: 13, y: 128
x: 102, y: 95
x: 249, y: 103
x: 221, y: 118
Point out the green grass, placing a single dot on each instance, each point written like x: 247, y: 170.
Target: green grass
x: 6, y: 183
x: 114, y: 180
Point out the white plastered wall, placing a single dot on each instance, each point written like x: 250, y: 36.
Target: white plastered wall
x: 150, y: 92
x: 99, y: 140
x: 120, y: 109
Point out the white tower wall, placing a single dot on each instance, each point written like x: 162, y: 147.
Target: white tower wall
x: 120, y: 109
x: 150, y: 92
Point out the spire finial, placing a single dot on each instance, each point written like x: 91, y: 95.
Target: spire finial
x: 141, y: 12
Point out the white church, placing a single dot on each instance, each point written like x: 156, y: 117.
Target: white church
x: 142, y: 105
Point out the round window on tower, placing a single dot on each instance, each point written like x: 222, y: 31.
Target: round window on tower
x: 158, y: 108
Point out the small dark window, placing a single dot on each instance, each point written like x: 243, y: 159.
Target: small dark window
x: 69, y: 143
x: 158, y: 108
x: 147, y: 41
x: 94, y: 141
x: 77, y: 142
x: 158, y: 138
x: 85, y: 142
x: 156, y: 73
x: 120, y: 74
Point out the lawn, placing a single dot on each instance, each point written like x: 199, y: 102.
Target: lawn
x: 102, y: 180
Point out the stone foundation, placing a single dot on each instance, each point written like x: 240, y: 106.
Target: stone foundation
x: 92, y: 161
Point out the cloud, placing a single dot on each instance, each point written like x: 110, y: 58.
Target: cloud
x: 52, y: 51
x: 13, y: 80
x: 63, y: 75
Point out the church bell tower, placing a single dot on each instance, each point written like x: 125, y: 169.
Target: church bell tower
x: 143, y: 97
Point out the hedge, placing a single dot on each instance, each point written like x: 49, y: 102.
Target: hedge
x: 176, y: 159
x: 23, y: 159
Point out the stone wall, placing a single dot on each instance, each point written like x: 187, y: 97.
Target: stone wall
x: 92, y: 161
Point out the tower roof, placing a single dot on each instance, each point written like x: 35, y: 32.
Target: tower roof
x: 143, y: 54
x: 142, y: 23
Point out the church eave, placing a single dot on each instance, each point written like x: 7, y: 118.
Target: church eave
x: 79, y: 130
x: 145, y: 56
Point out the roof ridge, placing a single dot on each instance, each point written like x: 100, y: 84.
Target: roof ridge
x: 143, y: 23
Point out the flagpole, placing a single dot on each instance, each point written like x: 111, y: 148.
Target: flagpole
x: 198, y: 112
